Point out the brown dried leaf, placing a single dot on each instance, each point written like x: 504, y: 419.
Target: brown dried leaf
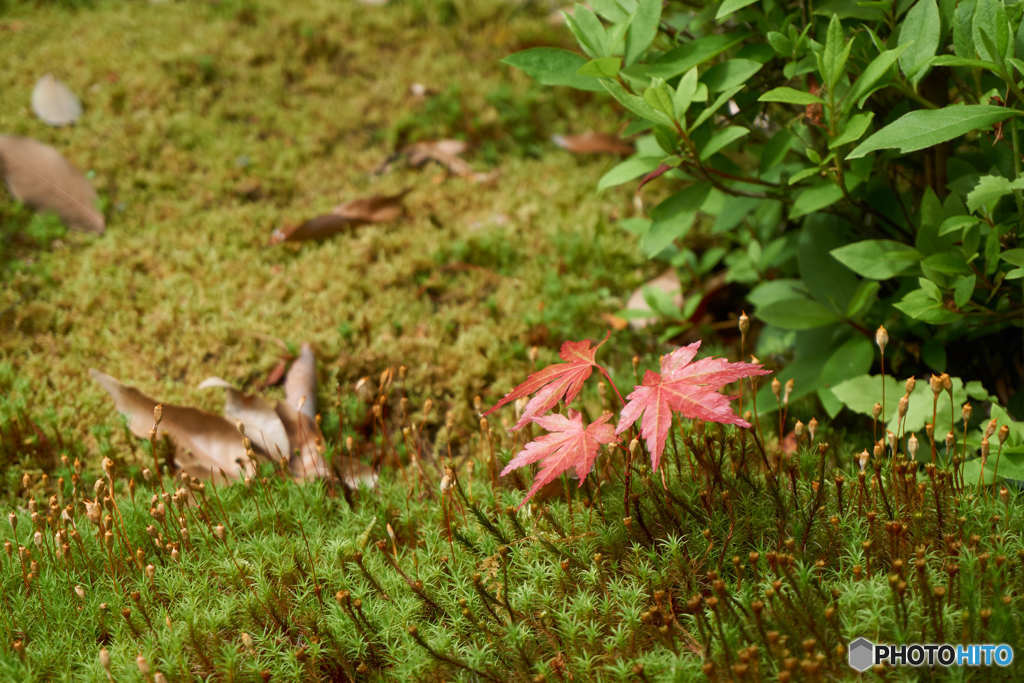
x: 593, y: 142
x: 205, y: 445
x: 54, y: 103
x: 377, y: 209
x: 445, y: 152
x: 258, y: 418
x: 300, y: 383
x: 275, y: 375
x: 306, y: 459
x: 39, y: 176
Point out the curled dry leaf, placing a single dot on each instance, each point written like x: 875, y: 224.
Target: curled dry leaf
x: 258, y: 417
x: 298, y: 413
x: 376, y: 209
x: 300, y: 382
x: 445, y: 152
x: 41, y: 177
x: 593, y: 142
x: 54, y: 103
x: 205, y: 445
x: 307, y: 443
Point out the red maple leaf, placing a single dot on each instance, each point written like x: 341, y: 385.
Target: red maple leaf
x: 556, y: 381
x: 690, y: 389
x: 567, y: 445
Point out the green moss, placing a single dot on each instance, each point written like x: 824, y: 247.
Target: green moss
x: 207, y: 126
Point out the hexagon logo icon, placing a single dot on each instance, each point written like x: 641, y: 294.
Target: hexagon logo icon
x: 861, y: 654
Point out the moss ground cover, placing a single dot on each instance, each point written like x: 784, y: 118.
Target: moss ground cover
x: 208, y: 125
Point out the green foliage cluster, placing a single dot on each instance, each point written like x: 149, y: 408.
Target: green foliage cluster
x: 856, y: 163
x: 740, y: 563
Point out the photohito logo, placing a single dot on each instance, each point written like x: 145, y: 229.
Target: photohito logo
x: 862, y: 654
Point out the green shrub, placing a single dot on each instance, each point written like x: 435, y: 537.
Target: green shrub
x: 860, y: 163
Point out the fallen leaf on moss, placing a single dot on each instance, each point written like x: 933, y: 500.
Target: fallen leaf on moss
x: 205, y: 445
x: 306, y: 459
x: 298, y: 413
x: 258, y: 417
x: 444, y: 152
x: 41, y: 177
x: 593, y: 142
x: 54, y: 103
x: 300, y: 382
x: 377, y: 209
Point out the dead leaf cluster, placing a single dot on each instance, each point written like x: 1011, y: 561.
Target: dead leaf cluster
x: 223, y: 448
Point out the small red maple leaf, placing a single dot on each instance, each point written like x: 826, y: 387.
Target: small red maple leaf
x: 556, y: 381
x: 567, y: 445
x: 684, y: 387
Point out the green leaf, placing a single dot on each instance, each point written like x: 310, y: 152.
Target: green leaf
x: 642, y: 29
x: 776, y: 290
x: 990, y: 30
x: 837, y: 51
x: 635, y: 104
x: 720, y: 140
x: 714, y: 106
x: 673, y: 218
x: 851, y: 359
x: 775, y: 150
x: 1014, y: 257
x: 605, y: 67
x: 690, y: 54
x: 873, y: 72
x: 989, y: 190
x: 798, y: 313
x: 730, y: 73
x: 589, y: 31
x: 877, y: 259
x: 950, y: 262
x: 730, y: 6
x: 920, y: 32
x: 825, y: 279
x: 927, y: 127
x: 863, y: 299
x: 963, y: 289
x: 780, y: 43
x: 860, y: 394
x: 814, y: 199
x: 789, y: 95
x: 686, y: 91
x: 951, y: 60
x: 630, y: 169
x: 956, y: 224
x: 920, y: 305
x: 855, y: 128
x: 659, y: 96
x: 963, y: 43
x: 552, y: 66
